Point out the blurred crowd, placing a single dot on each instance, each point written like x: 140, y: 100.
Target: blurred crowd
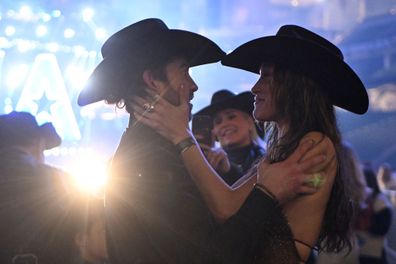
x: 44, y: 218
x: 375, y: 224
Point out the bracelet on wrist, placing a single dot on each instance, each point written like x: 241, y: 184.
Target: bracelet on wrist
x: 185, y: 144
x: 265, y: 190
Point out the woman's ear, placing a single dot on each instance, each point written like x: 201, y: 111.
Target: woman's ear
x: 152, y: 83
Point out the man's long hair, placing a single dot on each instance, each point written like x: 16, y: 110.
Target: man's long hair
x: 135, y: 85
x: 305, y: 107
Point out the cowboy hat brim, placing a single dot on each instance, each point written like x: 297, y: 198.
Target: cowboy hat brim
x: 115, y: 72
x: 340, y: 82
x: 243, y: 101
x: 52, y: 138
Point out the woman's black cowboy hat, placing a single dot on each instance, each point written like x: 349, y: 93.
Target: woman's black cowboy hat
x: 304, y: 52
x: 224, y: 99
x: 129, y: 51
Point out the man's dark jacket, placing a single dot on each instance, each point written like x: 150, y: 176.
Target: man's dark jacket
x: 154, y: 213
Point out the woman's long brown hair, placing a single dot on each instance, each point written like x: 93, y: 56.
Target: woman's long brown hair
x: 305, y: 107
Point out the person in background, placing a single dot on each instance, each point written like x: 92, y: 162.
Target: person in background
x: 154, y: 212
x: 21, y: 132
x: 373, y: 222
x: 356, y: 180
x: 32, y: 194
x: 386, y: 177
x: 240, y: 139
x: 302, y: 77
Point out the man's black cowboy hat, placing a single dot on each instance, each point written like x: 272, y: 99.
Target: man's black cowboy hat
x: 16, y: 126
x: 148, y: 42
x: 304, y: 52
x: 224, y: 99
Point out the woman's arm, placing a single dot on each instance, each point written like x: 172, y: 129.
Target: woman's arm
x: 222, y: 200
x: 284, y: 180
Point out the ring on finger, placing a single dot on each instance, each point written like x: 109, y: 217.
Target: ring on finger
x: 148, y: 107
x: 316, y: 180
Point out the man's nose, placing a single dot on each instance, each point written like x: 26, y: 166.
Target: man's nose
x: 194, y: 87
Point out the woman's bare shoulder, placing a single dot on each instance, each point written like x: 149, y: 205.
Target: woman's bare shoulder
x: 322, y: 144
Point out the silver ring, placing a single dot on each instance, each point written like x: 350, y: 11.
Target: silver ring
x: 148, y: 107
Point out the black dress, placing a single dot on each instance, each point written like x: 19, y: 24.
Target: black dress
x: 154, y: 213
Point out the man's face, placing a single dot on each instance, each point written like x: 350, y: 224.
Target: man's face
x: 177, y: 73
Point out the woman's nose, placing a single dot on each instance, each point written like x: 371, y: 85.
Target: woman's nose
x: 255, y: 89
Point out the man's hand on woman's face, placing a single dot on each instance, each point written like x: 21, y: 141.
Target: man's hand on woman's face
x: 167, y: 119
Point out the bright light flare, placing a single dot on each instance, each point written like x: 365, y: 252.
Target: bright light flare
x: 10, y: 31
x: 56, y: 13
x: 26, y: 12
x: 100, y: 34
x: 53, y: 47
x: 24, y: 46
x: 90, y: 173
x: 87, y: 14
x: 77, y: 76
x: 16, y: 75
x: 41, y: 30
x: 69, y: 33
x: 46, y: 17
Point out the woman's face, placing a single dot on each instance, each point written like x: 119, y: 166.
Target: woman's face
x: 232, y: 128
x: 264, y: 105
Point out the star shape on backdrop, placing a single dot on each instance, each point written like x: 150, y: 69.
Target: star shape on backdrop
x: 44, y: 104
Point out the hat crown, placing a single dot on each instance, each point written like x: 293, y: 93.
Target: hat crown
x: 16, y: 126
x: 306, y: 35
x: 140, y: 33
x: 221, y: 95
x: 22, y: 120
x: 144, y: 44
